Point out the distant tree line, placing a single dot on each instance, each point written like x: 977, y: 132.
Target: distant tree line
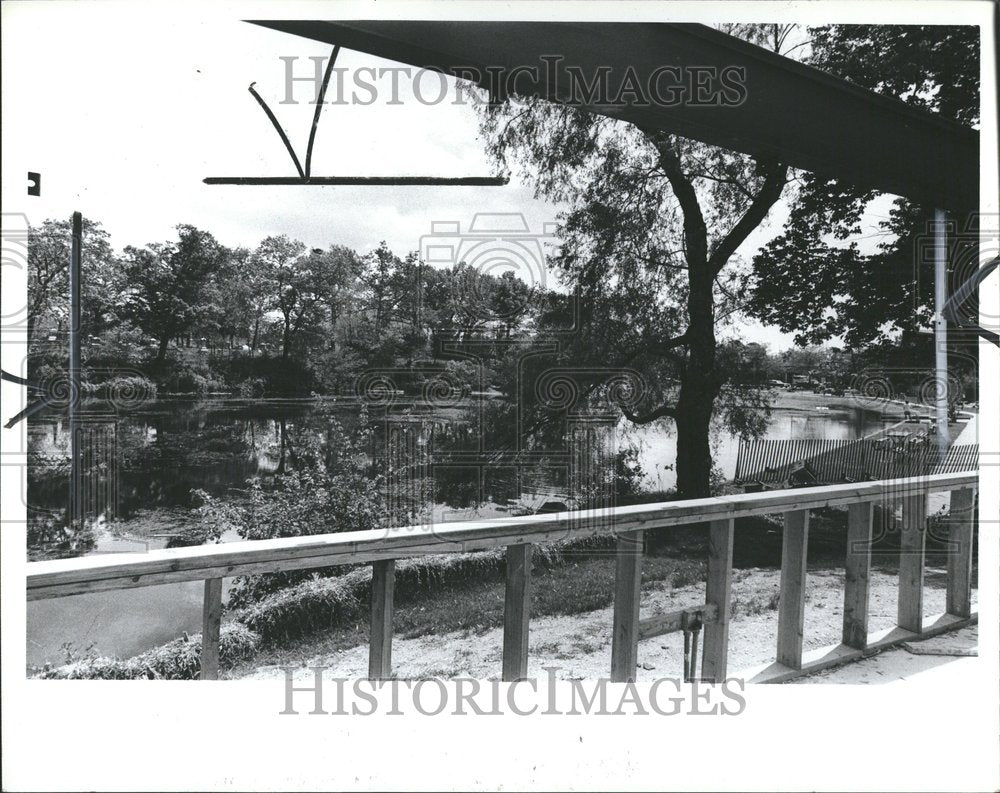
x: 194, y: 314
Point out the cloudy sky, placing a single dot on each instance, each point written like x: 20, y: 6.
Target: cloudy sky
x: 124, y: 113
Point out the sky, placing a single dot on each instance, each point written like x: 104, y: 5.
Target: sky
x: 124, y: 115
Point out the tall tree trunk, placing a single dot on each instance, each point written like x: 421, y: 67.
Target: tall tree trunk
x: 699, y: 383
x: 161, y: 352
x: 699, y: 380
x: 256, y: 330
x: 694, y: 418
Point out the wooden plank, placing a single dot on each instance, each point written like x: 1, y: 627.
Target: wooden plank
x: 911, y: 563
x: 625, y: 623
x: 672, y: 621
x: 61, y: 577
x: 211, y: 627
x: 380, y: 642
x: 959, y: 596
x: 517, y: 613
x: 857, y: 575
x: 717, y: 593
x: 792, y: 605
x: 666, y: 514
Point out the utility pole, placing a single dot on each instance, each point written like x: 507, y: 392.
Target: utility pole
x: 75, y: 385
x: 941, y: 329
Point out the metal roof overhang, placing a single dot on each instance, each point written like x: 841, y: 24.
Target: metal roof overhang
x: 793, y: 113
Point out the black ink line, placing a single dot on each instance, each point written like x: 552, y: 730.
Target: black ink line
x: 277, y: 126
x: 470, y: 181
x: 319, y: 108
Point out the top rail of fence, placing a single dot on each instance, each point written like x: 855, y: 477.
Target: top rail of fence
x: 62, y: 577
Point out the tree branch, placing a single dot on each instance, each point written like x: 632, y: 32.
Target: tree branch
x: 770, y: 192
x: 722, y: 180
x: 653, y: 415
x: 662, y: 350
x: 677, y: 341
x: 695, y: 232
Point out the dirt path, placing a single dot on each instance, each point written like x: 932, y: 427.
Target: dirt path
x: 579, y: 646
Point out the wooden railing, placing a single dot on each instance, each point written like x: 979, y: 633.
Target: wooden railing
x: 59, y: 578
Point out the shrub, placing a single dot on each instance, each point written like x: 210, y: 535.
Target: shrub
x: 414, y: 577
x: 251, y: 388
x: 328, y: 489
x: 339, y: 600
x: 309, y: 606
x: 179, y: 659
x: 185, y: 373
x: 123, y: 345
x: 251, y: 589
x: 186, y: 381
x: 266, y: 374
x: 126, y: 389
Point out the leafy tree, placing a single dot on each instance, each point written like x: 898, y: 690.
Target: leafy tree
x: 510, y: 303
x: 279, y: 260
x: 380, y: 268
x: 251, y: 291
x: 813, y: 278
x: 408, y: 309
x: 101, y: 285
x: 649, y: 244
x: 804, y: 360
x: 235, y: 297
x: 334, y: 276
x: 169, y: 280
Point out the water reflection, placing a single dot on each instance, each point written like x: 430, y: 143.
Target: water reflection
x: 455, y: 463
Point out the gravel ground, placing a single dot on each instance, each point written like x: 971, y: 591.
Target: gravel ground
x: 579, y: 646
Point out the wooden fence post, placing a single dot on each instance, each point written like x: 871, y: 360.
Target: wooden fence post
x: 625, y: 624
x: 717, y: 592
x: 517, y: 612
x: 211, y: 626
x: 857, y: 574
x: 960, y: 518
x: 380, y: 642
x: 792, y: 603
x: 911, y: 563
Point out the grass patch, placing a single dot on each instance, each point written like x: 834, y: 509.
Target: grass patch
x: 755, y: 604
x: 340, y: 601
x: 176, y: 660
